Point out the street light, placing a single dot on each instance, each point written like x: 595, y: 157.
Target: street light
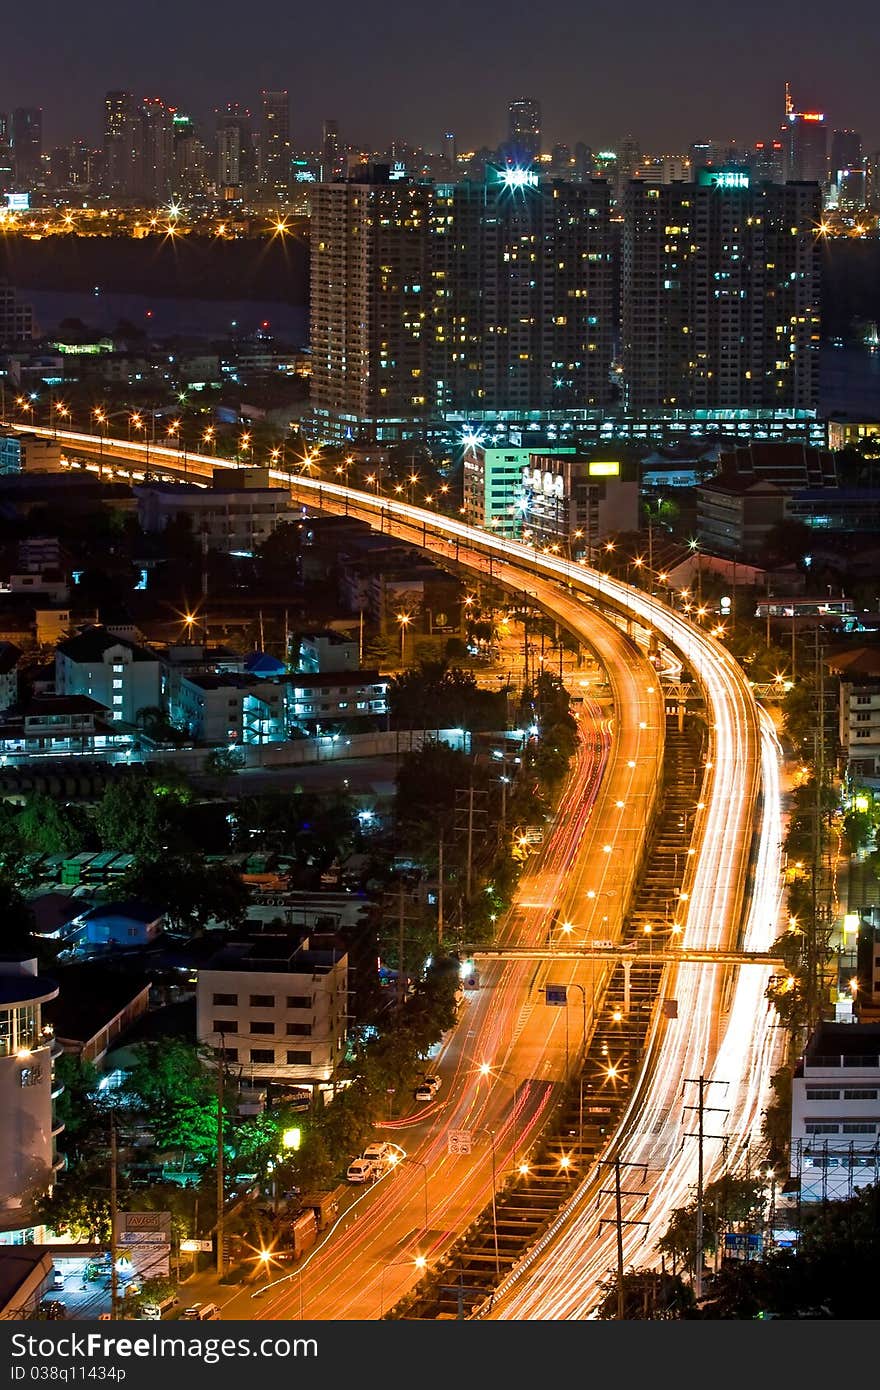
x: 491, y: 1134
x: 487, y: 1070
x: 404, y: 619
x: 419, y: 1262
x: 397, y: 1161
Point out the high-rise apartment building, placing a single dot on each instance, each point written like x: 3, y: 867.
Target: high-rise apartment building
x: 331, y: 152
x: 523, y: 131
x: 6, y: 162
x: 236, y: 163
x: 496, y: 295
x: 767, y: 160
x: 522, y: 294
x: 153, y: 151
x: 27, y: 145
x: 119, y: 135
x: 370, y: 298
x: 720, y: 294
x: 275, y: 143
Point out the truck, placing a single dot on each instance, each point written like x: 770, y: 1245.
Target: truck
x: 269, y: 881
x: 325, y: 1205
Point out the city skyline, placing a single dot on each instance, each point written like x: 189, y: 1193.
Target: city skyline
x: 416, y: 83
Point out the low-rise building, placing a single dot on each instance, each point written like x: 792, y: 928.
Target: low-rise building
x: 327, y: 650
x: 95, y: 1007
x: 859, y: 712
x: 277, y: 1007
x: 109, y: 668
x: 29, y: 453
x: 128, y: 923
x: 10, y: 655
x: 56, y: 725
x: 569, y: 500
x: 235, y: 514
x: 315, y: 701
x: 230, y: 707
x: 835, y: 1112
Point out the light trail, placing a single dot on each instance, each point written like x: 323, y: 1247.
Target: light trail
x: 564, y: 1269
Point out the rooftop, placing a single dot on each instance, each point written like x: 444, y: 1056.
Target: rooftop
x: 283, y: 953
x: 132, y: 908
x: 90, y: 996
x: 92, y: 644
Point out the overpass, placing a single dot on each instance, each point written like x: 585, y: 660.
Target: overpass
x: 724, y: 1027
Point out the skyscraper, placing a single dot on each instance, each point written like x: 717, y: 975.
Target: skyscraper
x: 369, y: 300
x: 720, y: 294
x: 331, y: 154
x: 523, y: 131
x: 235, y: 150
x: 27, y: 145
x: 275, y: 143
x: 522, y: 294
x: 6, y: 162
x: 153, y: 151
x: 846, y: 151
x: 118, y: 143
x: 807, y: 143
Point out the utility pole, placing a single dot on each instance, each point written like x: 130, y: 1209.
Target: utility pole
x: 440, y: 891
x: 400, y: 932
x: 703, y: 1083
x: 114, y: 1220
x: 221, y: 1199
x: 470, y: 842
x: 618, y: 1193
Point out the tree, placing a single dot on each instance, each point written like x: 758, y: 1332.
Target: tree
x: 427, y: 781
x: 172, y: 1085
x: 79, y: 1204
x: 77, y: 1107
x: 143, y: 815
x: 16, y: 917
x: 191, y: 891
x: 437, y: 696
x: 649, y: 1295
x: 47, y: 826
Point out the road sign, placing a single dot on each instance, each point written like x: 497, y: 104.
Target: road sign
x: 556, y: 995
x: 191, y: 1247
x: 600, y: 944
x: 458, y: 1141
x: 740, y: 1245
x: 670, y: 1008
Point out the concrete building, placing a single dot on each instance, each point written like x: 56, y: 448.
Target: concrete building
x: 10, y: 655
x: 859, y: 713
x: 720, y: 294
x: 29, y: 453
x: 95, y: 1006
x: 370, y: 300
x: 835, y: 1112
x: 492, y: 484
x: 327, y: 651
x: 230, y: 707
x: 16, y: 318
x: 277, y: 1006
x: 316, y: 701
x: 128, y: 923
x: 236, y: 513
x: 112, y: 670
x: 575, y: 503
x: 61, y: 726
x: 28, y: 1160
x: 757, y: 488
x: 275, y: 143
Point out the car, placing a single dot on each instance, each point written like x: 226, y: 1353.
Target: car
x: 362, y: 1170
x: 159, y: 1308
x: 385, y: 1155
x: 428, y: 1088
x: 57, y: 1279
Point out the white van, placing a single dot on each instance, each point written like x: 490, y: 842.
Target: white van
x: 160, y: 1308
x: 362, y: 1170
x: 201, y: 1312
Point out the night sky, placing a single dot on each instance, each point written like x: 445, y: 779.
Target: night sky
x: 410, y: 69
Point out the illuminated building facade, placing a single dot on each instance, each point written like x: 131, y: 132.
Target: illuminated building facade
x: 275, y: 143
x: 369, y: 301
x: 523, y: 297
x: 523, y: 130
x: 720, y: 294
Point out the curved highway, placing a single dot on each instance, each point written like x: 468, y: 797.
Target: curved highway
x: 722, y: 1022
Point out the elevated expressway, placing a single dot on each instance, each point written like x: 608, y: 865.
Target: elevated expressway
x: 723, y: 1028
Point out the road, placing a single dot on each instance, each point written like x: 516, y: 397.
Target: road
x: 714, y: 1026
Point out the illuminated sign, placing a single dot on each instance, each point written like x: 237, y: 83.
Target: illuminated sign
x: 519, y: 178
x: 604, y: 470
x: 723, y: 178
x: 548, y: 484
x: 18, y: 202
